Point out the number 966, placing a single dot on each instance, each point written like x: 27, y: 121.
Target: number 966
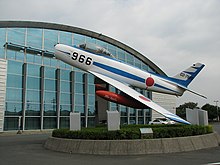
x: 81, y: 58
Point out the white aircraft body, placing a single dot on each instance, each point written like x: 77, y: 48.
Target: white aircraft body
x: 99, y: 62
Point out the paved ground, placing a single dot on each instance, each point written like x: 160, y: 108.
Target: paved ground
x: 28, y: 149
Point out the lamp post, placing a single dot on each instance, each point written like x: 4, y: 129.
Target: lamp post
x: 216, y: 101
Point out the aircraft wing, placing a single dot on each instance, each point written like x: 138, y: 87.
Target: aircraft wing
x: 141, y: 98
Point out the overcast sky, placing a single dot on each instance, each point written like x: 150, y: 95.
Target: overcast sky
x: 172, y: 33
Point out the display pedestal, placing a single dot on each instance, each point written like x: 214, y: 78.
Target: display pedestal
x: 113, y: 118
x: 75, y: 121
x: 197, y: 116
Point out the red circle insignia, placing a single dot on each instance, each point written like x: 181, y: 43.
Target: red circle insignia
x: 149, y: 81
x: 144, y: 98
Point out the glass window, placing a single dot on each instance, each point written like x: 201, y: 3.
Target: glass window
x: 64, y: 122
x: 80, y: 108
x: 90, y: 40
x: 50, y: 39
x: 2, y: 42
x: 141, y: 112
x: 78, y: 39
x: 32, y: 109
x: 101, y: 43
x: 10, y: 54
x: 11, y: 123
x: 50, y: 97
x: 13, y: 109
x: 144, y: 67
x: 138, y: 65
x: 50, y: 85
x: 112, y: 49
x: 132, y: 120
x: 62, y: 64
x: 65, y: 75
x: 91, y: 99
x: 65, y: 38
x: 34, y: 37
x: 2, y: 36
x: 91, y: 78
x: 64, y: 86
x: 65, y: 110
x: 15, y: 67
x: 50, y: 122
x: 140, y: 120
x: 132, y: 112
x: 79, y: 77
x: 46, y: 61
x: 20, y: 55
x: 14, y: 81
x: 38, y: 59
x: 124, y: 121
x: 14, y: 94
x: 50, y: 109
x: 123, y: 110
x: 33, y: 70
x: 121, y: 55
x: 32, y: 123
x: 91, y: 111
x: 30, y: 58
x: 91, y: 121
x: 79, y: 88
x: 50, y: 72
x: 16, y: 35
x: 2, y: 52
x: 91, y: 89
x: 64, y: 98
x: 33, y: 83
x: 79, y: 99
x: 53, y: 62
x: 33, y: 96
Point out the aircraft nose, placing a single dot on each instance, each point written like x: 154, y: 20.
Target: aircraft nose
x: 57, y: 46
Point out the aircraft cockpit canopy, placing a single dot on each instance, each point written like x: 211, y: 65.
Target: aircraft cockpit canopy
x: 96, y: 49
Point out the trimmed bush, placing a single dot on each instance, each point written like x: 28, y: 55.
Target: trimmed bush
x: 133, y: 132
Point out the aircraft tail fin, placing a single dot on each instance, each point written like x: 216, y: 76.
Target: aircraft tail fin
x: 185, y: 77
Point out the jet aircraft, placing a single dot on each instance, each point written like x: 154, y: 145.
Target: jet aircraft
x: 102, y: 64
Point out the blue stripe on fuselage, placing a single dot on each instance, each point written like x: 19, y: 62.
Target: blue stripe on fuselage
x: 119, y: 72
x: 162, y: 87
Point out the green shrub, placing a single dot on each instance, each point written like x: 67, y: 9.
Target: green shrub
x: 133, y: 132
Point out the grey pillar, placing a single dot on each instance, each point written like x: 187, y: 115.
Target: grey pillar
x: 58, y: 97
x: 86, y: 98
x: 24, y: 95
x: 42, y: 98
x: 72, y: 78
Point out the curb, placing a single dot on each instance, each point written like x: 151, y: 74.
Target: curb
x: 133, y: 147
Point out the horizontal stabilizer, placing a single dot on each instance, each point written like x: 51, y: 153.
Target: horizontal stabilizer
x: 197, y: 93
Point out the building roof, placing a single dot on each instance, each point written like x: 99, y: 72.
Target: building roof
x: 54, y: 26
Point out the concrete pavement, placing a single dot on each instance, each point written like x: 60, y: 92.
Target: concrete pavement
x: 28, y: 149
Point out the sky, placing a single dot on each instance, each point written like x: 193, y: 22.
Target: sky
x: 173, y: 34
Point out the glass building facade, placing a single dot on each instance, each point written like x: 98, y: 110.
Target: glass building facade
x: 41, y: 91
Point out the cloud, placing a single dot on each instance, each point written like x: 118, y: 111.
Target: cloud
x: 172, y: 34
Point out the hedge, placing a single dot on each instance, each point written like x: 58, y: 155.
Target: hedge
x: 133, y: 132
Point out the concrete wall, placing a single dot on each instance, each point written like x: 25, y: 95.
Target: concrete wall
x: 3, y: 74
x: 197, y: 116
x: 133, y: 147
x: 166, y: 101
